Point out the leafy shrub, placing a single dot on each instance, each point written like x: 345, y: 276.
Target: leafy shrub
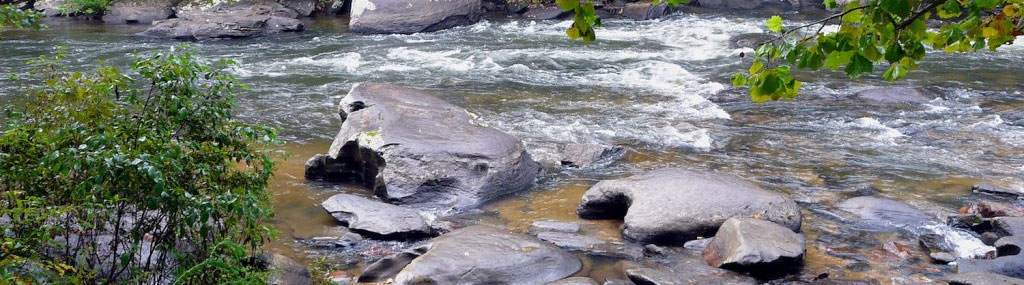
x: 85, y: 7
x: 138, y: 177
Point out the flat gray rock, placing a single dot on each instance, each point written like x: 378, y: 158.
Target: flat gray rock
x: 672, y: 206
x: 487, y: 255
x: 415, y: 149
x: 1009, y: 226
x: 1012, y: 266
x: 227, y: 20
x: 983, y: 278
x: 685, y: 272
x: 570, y: 241
x: 376, y: 218
x: 884, y: 212
x: 138, y: 11
x: 988, y: 187
x: 412, y: 16
x: 586, y: 155
x: 554, y: 226
x: 749, y: 243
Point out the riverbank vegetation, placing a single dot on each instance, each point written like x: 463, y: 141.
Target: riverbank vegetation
x: 137, y: 176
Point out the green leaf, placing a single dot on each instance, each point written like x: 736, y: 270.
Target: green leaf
x: 987, y: 4
x: 831, y: 4
x: 836, y: 60
x: 739, y: 80
x: 858, y: 65
x: 774, y: 24
x: 567, y: 5
x: 895, y: 72
x: 899, y: 8
x: 950, y: 9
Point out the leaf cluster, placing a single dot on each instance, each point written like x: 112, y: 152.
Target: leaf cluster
x: 134, y: 177
x: 889, y: 35
x: 11, y: 16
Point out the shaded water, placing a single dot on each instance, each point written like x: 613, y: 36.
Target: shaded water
x: 659, y: 87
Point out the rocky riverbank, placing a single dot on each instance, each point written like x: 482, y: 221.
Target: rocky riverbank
x: 204, y: 20
x: 430, y: 163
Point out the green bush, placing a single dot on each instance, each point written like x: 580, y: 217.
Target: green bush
x: 138, y: 177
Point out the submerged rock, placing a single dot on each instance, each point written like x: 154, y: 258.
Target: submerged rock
x: 884, y: 212
x: 584, y: 155
x: 749, y: 243
x: 554, y: 226
x: 570, y: 241
x: 988, y: 187
x: 415, y: 149
x: 376, y: 218
x: 411, y: 16
x: 896, y: 95
x: 285, y: 270
x: 139, y: 11
x: 386, y: 268
x: 487, y: 255
x: 227, y: 20
x: 1012, y: 266
x: 672, y: 206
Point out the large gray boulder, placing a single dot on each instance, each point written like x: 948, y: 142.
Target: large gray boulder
x: 487, y: 255
x: 139, y: 11
x: 305, y: 8
x: 227, y: 20
x: 412, y: 16
x: 672, y: 206
x: 415, y: 149
x: 751, y: 243
x: 376, y: 218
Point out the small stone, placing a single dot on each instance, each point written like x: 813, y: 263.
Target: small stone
x: 942, y: 257
x: 586, y: 155
x: 570, y: 241
x: 989, y: 209
x: 654, y: 249
x: 750, y: 243
x: 554, y: 226
x: 989, y: 238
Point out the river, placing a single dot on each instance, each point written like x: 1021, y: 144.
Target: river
x: 659, y: 87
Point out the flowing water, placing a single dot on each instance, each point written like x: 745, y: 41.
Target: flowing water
x: 659, y: 87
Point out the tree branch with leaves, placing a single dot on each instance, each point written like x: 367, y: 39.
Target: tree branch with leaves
x: 893, y: 34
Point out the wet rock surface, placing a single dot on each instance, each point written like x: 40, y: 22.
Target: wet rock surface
x: 227, y: 20
x: 988, y: 187
x: 983, y: 278
x: 554, y: 226
x: 672, y: 206
x: 546, y: 13
x: 747, y: 243
x: 487, y: 255
x: 590, y: 155
x: 574, y: 281
x: 285, y: 270
x: 376, y: 218
x: 686, y: 271
x: 411, y: 16
x: 884, y: 212
x: 415, y: 149
x: 1008, y: 226
x: 139, y: 11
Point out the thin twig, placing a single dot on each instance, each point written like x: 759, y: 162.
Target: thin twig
x: 822, y: 21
